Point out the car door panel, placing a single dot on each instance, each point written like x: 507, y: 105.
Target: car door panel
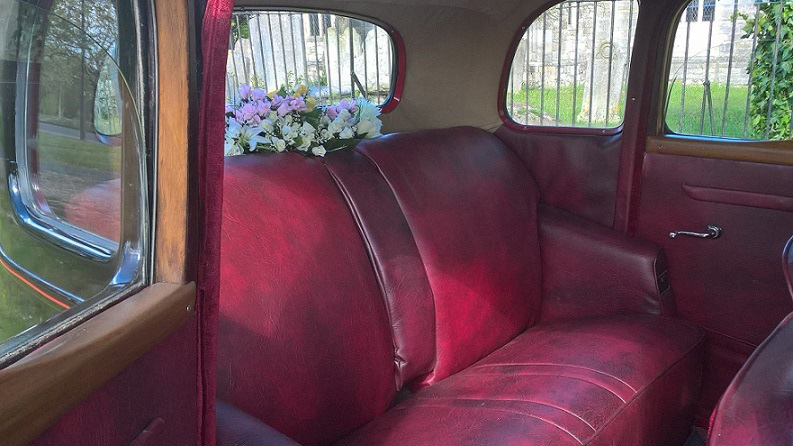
x: 731, y: 286
x: 152, y: 402
x: 574, y: 172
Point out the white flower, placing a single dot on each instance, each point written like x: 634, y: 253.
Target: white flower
x: 335, y: 127
x: 319, y: 151
x: 273, y: 116
x: 370, y: 128
x: 232, y: 128
x: 286, y: 131
x: 343, y: 115
x: 367, y: 110
x: 347, y: 133
x: 230, y: 148
x: 326, y: 134
x: 256, y: 140
x: 267, y: 125
x: 280, y: 144
x: 307, y: 129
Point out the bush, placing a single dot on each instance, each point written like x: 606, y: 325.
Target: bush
x: 768, y: 75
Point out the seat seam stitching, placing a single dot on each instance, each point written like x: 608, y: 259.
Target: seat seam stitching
x: 643, y: 389
x: 513, y: 400
x: 573, y: 436
x: 572, y: 366
x: 623, y: 400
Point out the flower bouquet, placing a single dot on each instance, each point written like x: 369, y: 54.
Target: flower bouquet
x: 283, y: 121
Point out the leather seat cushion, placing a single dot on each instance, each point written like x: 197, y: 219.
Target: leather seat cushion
x: 609, y: 380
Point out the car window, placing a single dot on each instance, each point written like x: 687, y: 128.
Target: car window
x: 74, y: 226
x: 570, y: 68
x: 731, y: 73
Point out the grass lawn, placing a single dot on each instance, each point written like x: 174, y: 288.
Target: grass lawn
x: 58, y: 149
x: 517, y: 107
x: 692, y: 113
x: 732, y: 126
x: 20, y: 307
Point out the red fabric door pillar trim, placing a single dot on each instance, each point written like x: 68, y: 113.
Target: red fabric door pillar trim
x: 214, y: 49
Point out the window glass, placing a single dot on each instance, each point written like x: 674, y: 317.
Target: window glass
x: 337, y: 57
x: 571, y: 65
x: 731, y: 73
x: 73, y: 203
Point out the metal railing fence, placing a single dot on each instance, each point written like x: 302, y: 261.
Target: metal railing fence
x: 337, y: 57
x: 571, y: 65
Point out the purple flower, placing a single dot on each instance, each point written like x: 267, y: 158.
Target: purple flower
x: 263, y: 108
x: 332, y: 111
x: 245, y: 91
x: 259, y: 95
x: 248, y: 110
x: 299, y: 104
x: 229, y: 108
x: 283, y: 109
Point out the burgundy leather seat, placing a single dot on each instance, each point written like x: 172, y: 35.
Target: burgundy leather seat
x: 757, y: 408
x: 424, y: 261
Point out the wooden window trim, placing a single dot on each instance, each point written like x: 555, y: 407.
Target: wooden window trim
x: 170, y: 253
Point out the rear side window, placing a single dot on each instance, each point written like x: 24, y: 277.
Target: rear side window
x: 74, y: 220
x: 571, y: 66
x: 335, y: 56
x: 731, y: 74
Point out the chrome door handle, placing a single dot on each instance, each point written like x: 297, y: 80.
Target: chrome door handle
x: 712, y: 231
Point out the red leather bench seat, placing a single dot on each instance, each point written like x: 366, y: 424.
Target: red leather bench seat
x: 418, y: 261
x: 626, y: 380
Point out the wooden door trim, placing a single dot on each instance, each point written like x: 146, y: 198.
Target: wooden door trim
x: 767, y: 152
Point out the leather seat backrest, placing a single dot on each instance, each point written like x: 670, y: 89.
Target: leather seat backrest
x: 304, y: 338
x: 471, y: 207
x: 757, y: 407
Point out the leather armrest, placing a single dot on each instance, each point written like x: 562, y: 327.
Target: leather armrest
x: 237, y: 428
x: 591, y: 270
